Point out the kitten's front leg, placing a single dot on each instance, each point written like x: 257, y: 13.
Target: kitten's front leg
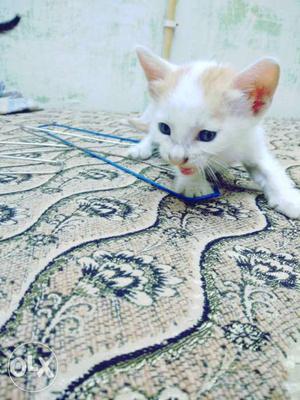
x: 192, y: 185
x: 277, y: 186
x: 143, y: 149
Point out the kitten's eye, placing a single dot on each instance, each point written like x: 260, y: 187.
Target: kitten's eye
x: 206, y: 136
x: 164, y: 128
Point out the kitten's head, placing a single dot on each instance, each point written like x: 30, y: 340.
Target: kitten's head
x: 202, y: 108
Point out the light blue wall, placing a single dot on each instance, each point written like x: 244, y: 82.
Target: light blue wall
x: 239, y: 32
x: 79, y: 54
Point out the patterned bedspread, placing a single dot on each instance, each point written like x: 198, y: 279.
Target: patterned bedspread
x: 139, y: 295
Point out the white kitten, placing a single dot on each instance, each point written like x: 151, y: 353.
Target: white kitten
x: 204, y: 116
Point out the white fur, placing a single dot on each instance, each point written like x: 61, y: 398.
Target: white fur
x: 240, y: 139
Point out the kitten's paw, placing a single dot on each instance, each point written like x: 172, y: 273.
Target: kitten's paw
x: 192, y: 188
x: 287, y: 204
x: 140, y: 151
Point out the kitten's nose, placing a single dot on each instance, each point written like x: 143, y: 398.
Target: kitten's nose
x: 178, y: 160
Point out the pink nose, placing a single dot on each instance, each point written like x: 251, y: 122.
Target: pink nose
x: 178, y: 161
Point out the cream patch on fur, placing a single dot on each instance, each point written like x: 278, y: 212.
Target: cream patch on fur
x: 216, y: 83
x: 163, y: 87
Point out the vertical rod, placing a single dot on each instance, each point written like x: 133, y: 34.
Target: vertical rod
x: 169, y: 30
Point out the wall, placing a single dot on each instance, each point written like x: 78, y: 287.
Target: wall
x: 80, y: 54
x: 239, y: 32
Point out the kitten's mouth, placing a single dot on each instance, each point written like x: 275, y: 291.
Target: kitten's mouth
x: 187, y: 170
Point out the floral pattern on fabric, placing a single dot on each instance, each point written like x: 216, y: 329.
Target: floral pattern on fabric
x: 140, y: 295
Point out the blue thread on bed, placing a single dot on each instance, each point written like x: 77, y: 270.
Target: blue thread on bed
x: 216, y: 193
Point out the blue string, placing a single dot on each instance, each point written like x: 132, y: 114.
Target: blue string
x: 93, y: 154
x: 94, y: 133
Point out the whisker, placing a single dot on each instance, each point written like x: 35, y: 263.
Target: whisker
x: 223, y: 169
x: 212, y: 166
x: 207, y: 172
x: 212, y: 174
x: 218, y: 166
x: 200, y: 169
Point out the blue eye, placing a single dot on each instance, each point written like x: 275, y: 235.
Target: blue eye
x: 164, y: 128
x: 206, y: 136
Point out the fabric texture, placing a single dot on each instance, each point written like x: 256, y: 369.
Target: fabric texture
x: 140, y: 295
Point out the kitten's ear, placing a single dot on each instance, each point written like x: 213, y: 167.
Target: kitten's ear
x: 155, y: 68
x: 259, y: 82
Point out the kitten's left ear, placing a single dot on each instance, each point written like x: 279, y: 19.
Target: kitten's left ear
x: 259, y: 82
x: 155, y: 67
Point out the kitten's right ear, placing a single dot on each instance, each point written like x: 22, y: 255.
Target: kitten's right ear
x: 155, y: 67
x: 258, y: 82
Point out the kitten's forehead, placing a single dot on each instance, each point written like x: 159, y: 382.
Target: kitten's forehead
x: 187, y: 90
x: 198, y: 89
x: 184, y: 102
